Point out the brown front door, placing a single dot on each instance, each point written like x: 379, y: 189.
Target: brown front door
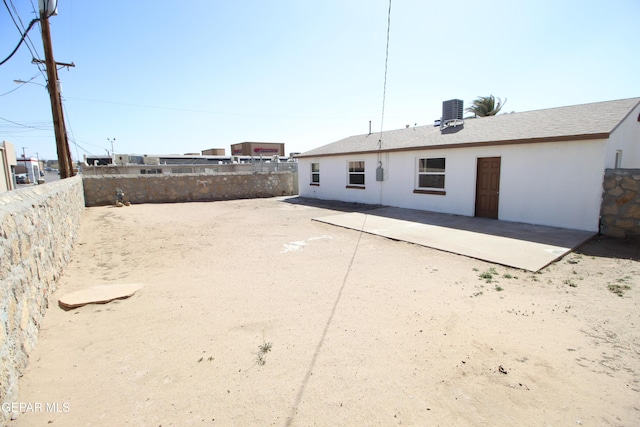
x: 488, y: 187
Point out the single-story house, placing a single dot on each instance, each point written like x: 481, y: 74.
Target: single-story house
x: 541, y: 167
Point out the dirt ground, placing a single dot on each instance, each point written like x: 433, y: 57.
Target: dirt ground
x: 355, y: 329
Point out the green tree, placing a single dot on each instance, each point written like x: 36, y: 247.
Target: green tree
x: 486, y: 106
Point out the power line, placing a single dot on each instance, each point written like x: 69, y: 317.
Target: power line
x: 22, y: 125
x: 21, y: 85
x: 21, y: 40
x: 34, y: 51
x: 66, y: 119
x: 384, y: 90
x: 190, y: 110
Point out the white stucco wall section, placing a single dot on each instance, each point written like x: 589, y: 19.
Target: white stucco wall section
x: 556, y: 184
x: 625, y: 137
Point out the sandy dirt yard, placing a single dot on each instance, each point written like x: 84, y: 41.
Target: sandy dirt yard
x: 355, y: 329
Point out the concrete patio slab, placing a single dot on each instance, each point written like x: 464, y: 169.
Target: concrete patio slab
x: 525, y: 246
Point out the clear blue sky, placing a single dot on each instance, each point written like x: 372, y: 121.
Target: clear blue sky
x: 178, y: 77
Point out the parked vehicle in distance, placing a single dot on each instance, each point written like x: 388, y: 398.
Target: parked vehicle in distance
x: 21, y: 179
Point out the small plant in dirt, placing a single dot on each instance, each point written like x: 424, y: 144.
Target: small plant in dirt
x: 260, y: 359
x: 570, y: 283
x: 488, y: 275
x: 265, y: 347
x: 499, y: 288
x: 261, y: 355
x: 620, y: 286
x: 618, y: 289
x: 574, y: 259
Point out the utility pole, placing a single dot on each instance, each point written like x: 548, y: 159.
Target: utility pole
x: 65, y: 164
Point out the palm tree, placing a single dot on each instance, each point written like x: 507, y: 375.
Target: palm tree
x: 486, y: 106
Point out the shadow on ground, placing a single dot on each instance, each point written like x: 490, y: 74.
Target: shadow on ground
x: 611, y: 247
x: 331, y: 204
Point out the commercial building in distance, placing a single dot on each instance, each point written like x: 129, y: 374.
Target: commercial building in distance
x: 257, y: 149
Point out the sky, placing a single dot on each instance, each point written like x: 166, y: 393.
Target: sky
x: 182, y: 77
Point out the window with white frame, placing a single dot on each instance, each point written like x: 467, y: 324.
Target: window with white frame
x: 315, y: 173
x: 356, y: 173
x: 618, y: 160
x: 431, y: 172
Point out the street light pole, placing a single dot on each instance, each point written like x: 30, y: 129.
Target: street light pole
x: 113, y: 154
x: 64, y: 156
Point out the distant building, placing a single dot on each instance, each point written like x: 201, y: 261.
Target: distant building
x: 257, y: 149
x: 8, y: 164
x: 214, y: 152
x: 29, y: 168
x: 152, y: 164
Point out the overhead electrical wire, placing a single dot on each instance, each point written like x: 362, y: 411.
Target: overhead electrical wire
x: 21, y: 40
x: 21, y: 29
x: 21, y: 85
x: 384, y: 89
x: 68, y: 123
x: 23, y: 125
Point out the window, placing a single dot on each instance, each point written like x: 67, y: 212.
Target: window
x: 431, y: 173
x: 151, y: 171
x: 315, y: 173
x: 356, y: 174
x: 618, y: 159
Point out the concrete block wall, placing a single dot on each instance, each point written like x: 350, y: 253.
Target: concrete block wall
x: 38, y: 227
x: 620, y: 211
x: 178, y: 188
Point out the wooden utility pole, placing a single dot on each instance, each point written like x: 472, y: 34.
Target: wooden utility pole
x: 65, y: 164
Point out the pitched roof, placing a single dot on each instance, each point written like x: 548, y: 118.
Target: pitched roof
x: 587, y: 121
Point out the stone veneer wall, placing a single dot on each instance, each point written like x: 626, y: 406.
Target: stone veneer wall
x: 620, y: 211
x: 178, y: 188
x: 38, y: 227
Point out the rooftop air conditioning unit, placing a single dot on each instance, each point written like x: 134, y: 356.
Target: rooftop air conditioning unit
x: 452, y: 111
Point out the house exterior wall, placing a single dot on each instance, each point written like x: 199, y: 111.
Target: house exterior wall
x: 7, y: 166
x: 539, y: 183
x: 626, y: 137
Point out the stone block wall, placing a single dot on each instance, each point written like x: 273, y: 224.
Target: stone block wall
x: 178, y: 188
x: 620, y: 210
x: 38, y: 227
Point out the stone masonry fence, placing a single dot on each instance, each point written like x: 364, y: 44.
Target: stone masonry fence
x: 620, y: 209
x: 179, y: 188
x: 38, y: 227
